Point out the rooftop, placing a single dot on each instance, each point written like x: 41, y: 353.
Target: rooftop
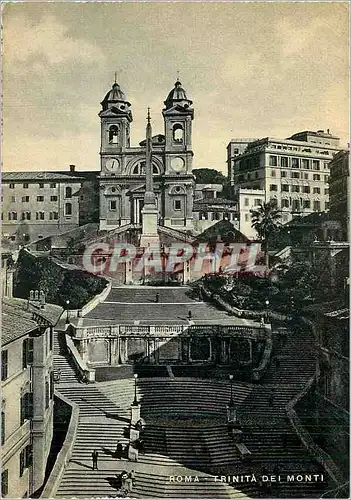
x: 42, y: 176
x: 15, y: 322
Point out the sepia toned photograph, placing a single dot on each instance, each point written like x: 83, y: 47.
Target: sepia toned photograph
x: 175, y: 236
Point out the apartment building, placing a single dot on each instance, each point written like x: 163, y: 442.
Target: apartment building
x: 339, y: 191
x: 292, y: 172
x: 247, y: 200
x: 27, y: 389
x: 40, y: 204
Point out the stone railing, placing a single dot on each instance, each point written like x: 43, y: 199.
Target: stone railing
x: 306, y: 439
x: 242, y: 313
x: 65, y: 454
x: 96, y: 300
x: 87, y: 374
x: 257, y: 373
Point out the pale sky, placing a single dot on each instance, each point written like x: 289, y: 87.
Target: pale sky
x: 251, y: 69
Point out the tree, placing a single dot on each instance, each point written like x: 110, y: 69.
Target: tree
x: 266, y: 221
x: 209, y: 176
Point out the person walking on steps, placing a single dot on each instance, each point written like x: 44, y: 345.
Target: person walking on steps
x: 119, y: 450
x: 95, y: 456
x: 157, y: 297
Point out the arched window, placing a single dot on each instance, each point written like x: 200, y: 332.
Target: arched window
x: 68, y: 192
x: 178, y: 133
x: 113, y: 134
x: 68, y: 209
x: 139, y: 169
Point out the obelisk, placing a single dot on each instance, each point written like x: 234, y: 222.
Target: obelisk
x: 149, y: 213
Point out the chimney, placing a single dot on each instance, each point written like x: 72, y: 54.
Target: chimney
x: 72, y: 168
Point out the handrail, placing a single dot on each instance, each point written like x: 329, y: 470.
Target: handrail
x: 65, y: 454
x: 86, y: 373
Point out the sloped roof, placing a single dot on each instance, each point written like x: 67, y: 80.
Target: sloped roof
x: 222, y: 229
x: 15, y: 323
x: 41, y: 176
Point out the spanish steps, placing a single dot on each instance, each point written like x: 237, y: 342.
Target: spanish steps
x: 186, y: 432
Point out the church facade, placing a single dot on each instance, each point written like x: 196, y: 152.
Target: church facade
x: 122, y: 178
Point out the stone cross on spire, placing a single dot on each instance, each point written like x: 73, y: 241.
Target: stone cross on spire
x: 149, y: 198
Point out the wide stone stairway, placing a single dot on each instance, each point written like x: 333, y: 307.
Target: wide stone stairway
x: 186, y: 432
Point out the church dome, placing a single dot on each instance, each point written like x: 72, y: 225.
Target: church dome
x: 114, y: 95
x: 177, y: 96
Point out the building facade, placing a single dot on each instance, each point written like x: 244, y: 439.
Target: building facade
x: 27, y: 397
x: 39, y: 204
x: 339, y: 191
x: 247, y: 200
x: 122, y: 177
x: 292, y: 172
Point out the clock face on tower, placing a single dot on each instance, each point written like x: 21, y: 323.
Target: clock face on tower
x: 112, y: 165
x: 177, y: 164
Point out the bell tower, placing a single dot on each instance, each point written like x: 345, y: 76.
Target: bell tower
x: 179, y: 182
x: 115, y: 117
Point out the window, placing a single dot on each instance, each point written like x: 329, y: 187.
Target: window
x: 295, y: 205
x: 256, y: 175
x: 26, y: 458
x: 305, y: 176
x: 246, y: 202
x: 272, y: 173
x: 306, y: 189
x: 113, y: 205
x: 326, y: 204
x: 178, y: 133
x: 273, y: 161
x: 306, y: 204
x: 273, y: 187
x: 295, y: 175
x: 53, y: 215
x: 283, y: 173
x: 295, y: 189
x: 25, y: 199
x: 53, y: 198
x: 68, y: 209
x: 40, y: 198
x: 326, y: 191
x: 284, y: 161
x: 26, y: 406
x: 26, y: 216
x: 25, y: 185
x: 177, y: 204
x: 326, y: 165
x: 12, y: 216
x: 3, y: 428
x: 11, y: 186
x: 27, y: 352
x: 285, y: 203
x: 4, y: 365
x: 257, y: 202
x: 4, y: 483
x: 13, y: 199
x: 246, y: 217
x: 40, y: 216
x: 41, y: 185
x: 68, y: 192
x: 53, y: 184
x: 305, y: 163
x: 316, y: 190
x: 274, y: 202
x: 326, y: 178
x: 113, y: 134
x: 317, y: 206
x: 236, y: 151
x: 295, y: 162
x: 315, y: 164
x: 316, y: 177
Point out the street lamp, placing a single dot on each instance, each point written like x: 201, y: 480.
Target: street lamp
x: 231, y: 402
x: 67, y: 318
x: 267, y: 311
x: 135, y: 402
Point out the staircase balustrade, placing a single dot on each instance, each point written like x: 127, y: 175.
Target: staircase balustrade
x: 87, y: 374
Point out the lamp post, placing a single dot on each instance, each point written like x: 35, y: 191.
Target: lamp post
x: 67, y: 318
x: 267, y: 311
x: 135, y: 402
x: 231, y: 402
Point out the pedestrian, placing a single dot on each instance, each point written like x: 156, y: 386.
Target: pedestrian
x: 124, y: 477
x: 132, y: 476
x: 128, y: 484
x: 157, y: 297
x: 189, y: 315
x: 119, y: 450
x: 95, y: 456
